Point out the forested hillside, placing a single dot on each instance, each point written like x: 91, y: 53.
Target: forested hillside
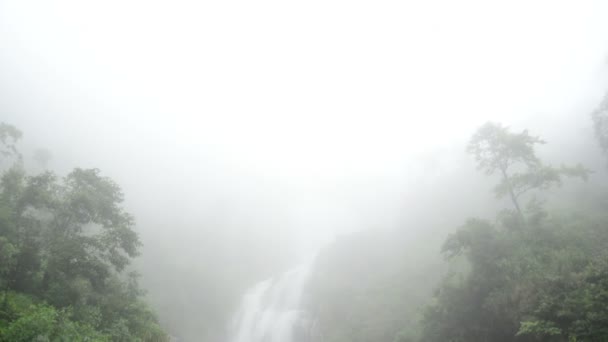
x: 534, y: 270
x: 370, y: 285
x: 65, y: 248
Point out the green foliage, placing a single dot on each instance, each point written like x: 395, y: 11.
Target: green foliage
x: 535, y: 273
x: 64, y: 246
x: 37, y: 324
x: 539, y: 329
x: 8, y: 253
x: 547, y: 282
x: 31, y: 321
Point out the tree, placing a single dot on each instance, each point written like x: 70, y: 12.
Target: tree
x: 548, y: 282
x: 600, y: 124
x: 513, y: 156
x: 65, y: 243
x: 9, y: 136
x: 545, y: 283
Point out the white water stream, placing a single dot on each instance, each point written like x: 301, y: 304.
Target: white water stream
x: 271, y: 310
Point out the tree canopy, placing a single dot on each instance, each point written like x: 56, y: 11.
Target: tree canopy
x: 535, y: 273
x: 497, y: 150
x: 545, y: 282
x: 65, y: 246
x: 600, y: 124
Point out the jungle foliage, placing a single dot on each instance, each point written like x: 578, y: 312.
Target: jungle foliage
x: 535, y: 272
x: 65, y: 246
x: 541, y: 278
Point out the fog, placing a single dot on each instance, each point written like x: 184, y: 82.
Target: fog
x: 247, y: 135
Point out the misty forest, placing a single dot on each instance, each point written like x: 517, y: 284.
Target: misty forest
x: 320, y: 171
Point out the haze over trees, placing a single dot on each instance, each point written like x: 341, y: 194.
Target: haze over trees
x: 538, y: 271
x: 600, y: 124
x: 303, y: 171
x: 65, y: 247
x: 537, y: 278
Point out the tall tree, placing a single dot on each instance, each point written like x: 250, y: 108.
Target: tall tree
x: 600, y: 124
x: 9, y: 136
x: 65, y: 244
x: 548, y: 282
x: 512, y: 155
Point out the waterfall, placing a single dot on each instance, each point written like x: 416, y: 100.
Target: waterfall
x: 271, y: 310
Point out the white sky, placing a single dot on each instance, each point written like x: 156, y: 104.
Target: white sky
x: 305, y: 94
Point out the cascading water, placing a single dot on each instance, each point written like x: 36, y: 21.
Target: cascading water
x: 271, y: 310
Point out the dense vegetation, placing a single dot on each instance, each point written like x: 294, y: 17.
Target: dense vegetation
x: 532, y: 276
x: 537, y: 271
x: 534, y: 271
x: 65, y: 247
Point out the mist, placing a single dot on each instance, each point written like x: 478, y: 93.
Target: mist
x: 249, y: 136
